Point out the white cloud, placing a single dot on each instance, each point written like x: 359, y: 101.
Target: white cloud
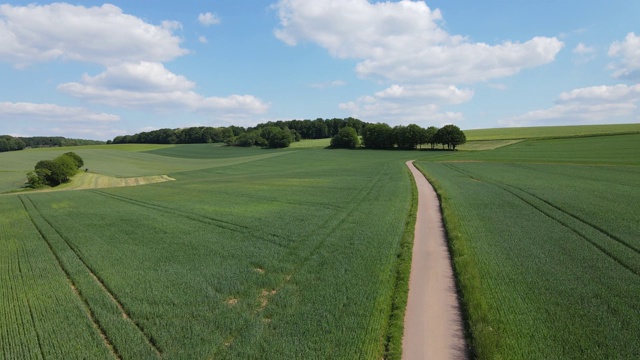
x: 403, y: 104
x: 629, y: 53
x: 150, y: 86
x: 404, y: 42
x: 582, y: 49
x: 102, y: 35
x: 590, y: 105
x: 208, y: 19
x: 584, y: 53
x: 23, y: 111
x: 203, y: 40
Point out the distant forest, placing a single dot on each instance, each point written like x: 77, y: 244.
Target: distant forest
x: 240, y: 136
x: 345, y: 133
x: 10, y: 143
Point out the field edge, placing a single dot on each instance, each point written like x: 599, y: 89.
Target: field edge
x: 395, y: 329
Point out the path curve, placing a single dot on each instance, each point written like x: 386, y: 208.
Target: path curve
x: 433, y: 322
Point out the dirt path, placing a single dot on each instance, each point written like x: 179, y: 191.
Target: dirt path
x: 432, y: 323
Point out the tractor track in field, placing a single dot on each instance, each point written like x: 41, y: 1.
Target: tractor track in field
x: 99, y: 281
x: 433, y: 321
x: 574, y: 229
x: 85, y: 305
x: 33, y: 320
x: 326, y: 228
x: 226, y: 225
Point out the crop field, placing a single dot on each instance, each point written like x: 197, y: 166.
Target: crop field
x: 248, y: 254
x: 550, y: 132
x: 547, y: 245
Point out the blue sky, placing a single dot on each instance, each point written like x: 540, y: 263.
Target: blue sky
x: 96, y: 70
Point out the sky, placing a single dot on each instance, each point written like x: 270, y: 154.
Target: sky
x: 95, y: 70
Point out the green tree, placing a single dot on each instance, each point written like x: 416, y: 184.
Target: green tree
x: 76, y: 158
x: 430, y: 136
x: 378, y: 136
x: 451, y: 136
x: 276, y: 137
x: 347, y: 137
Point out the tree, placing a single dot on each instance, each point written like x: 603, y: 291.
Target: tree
x: 276, y: 137
x: 430, y: 136
x: 451, y: 136
x: 378, y: 136
x: 76, y: 158
x: 347, y: 137
x: 55, y: 172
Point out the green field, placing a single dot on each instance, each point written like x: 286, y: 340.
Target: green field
x: 293, y: 253
x: 550, y: 132
x: 546, y: 240
x: 248, y: 254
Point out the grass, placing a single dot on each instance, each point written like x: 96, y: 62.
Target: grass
x: 248, y: 254
x: 544, y: 236
x: 550, y: 132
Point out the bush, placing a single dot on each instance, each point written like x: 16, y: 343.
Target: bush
x: 345, y: 138
x: 76, y: 158
x: 54, y: 172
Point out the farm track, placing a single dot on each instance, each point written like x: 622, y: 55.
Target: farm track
x: 433, y: 319
x: 223, y: 224
x: 72, y: 284
x: 332, y: 225
x: 573, y: 228
x: 104, y: 289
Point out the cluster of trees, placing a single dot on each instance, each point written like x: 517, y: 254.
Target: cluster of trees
x: 54, y: 172
x: 236, y: 135
x: 10, y: 143
x: 383, y: 136
x: 270, y: 136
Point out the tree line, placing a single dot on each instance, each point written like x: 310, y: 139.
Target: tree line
x: 260, y: 135
x: 10, y: 143
x: 383, y: 136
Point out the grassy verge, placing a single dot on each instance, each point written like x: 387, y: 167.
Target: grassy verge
x: 395, y: 330
x: 481, y: 337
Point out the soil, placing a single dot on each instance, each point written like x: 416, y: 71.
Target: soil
x: 433, y: 322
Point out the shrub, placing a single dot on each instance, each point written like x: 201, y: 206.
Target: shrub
x: 345, y: 138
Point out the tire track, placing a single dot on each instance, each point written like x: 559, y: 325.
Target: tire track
x: 99, y: 282
x: 226, y: 225
x: 87, y: 309
x: 360, y: 197
x: 565, y: 224
x: 33, y: 320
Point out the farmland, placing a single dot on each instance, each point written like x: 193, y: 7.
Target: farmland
x: 546, y: 245
x: 247, y: 254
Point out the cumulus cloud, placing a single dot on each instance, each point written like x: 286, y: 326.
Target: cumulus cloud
x: 203, y: 40
x: 628, y: 51
x: 409, y: 103
x: 148, y: 85
x: 52, y: 113
x: 208, y: 19
x: 404, y: 41
x: 102, y: 35
x: 590, y: 105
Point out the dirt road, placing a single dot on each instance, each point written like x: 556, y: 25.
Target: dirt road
x: 432, y: 323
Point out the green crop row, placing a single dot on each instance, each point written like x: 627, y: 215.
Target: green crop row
x: 253, y: 256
